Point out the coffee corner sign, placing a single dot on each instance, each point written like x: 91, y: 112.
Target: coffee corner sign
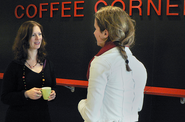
x: 21, y: 11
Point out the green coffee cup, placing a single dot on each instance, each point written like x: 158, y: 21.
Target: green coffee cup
x: 46, y: 92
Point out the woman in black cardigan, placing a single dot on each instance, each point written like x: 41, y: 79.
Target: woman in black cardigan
x: 26, y: 75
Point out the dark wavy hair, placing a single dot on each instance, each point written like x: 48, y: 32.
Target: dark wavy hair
x: 21, y: 43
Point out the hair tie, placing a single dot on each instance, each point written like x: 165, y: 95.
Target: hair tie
x: 126, y: 61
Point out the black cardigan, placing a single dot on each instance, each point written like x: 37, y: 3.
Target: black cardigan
x: 21, y: 108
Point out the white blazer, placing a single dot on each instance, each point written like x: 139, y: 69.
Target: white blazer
x: 114, y: 94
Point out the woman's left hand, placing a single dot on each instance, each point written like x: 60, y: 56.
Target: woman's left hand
x: 52, y: 95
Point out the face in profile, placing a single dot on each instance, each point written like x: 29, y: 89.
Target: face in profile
x: 36, y: 38
x: 101, y: 37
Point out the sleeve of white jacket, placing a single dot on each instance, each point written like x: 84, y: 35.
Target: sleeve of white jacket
x: 90, y: 108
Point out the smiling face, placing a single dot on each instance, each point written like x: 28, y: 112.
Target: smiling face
x: 36, y: 38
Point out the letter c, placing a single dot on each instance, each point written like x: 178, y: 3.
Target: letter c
x: 96, y: 5
x: 16, y: 15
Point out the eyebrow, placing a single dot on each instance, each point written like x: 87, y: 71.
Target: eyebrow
x: 36, y: 32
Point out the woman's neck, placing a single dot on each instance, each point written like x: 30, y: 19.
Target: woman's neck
x: 32, y: 55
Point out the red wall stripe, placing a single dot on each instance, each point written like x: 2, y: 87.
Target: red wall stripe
x: 161, y: 91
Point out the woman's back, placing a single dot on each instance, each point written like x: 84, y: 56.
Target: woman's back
x: 121, y: 91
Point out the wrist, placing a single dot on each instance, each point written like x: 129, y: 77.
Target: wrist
x: 26, y: 94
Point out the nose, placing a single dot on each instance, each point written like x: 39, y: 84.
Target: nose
x: 37, y: 36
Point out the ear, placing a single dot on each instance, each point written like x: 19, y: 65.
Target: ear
x: 105, y: 33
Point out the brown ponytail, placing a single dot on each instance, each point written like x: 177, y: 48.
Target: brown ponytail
x: 124, y: 55
x: 120, y: 27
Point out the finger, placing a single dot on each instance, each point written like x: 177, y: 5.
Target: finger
x: 52, y: 92
x: 38, y: 92
x: 51, y: 98
x: 38, y: 89
x: 37, y: 95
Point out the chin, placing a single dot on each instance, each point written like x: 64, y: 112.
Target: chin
x: 38, y: 47
x: 100, y: 45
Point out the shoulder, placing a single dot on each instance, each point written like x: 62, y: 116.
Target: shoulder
x: 15, y: 64
x: 136, y: 65
x: 108, y: 58
x: 14, y: 67
x: 132, y: 59
x: 49, y: 63
x: 113, y: 51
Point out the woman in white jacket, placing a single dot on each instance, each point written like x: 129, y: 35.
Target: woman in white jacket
x: 116, y: 78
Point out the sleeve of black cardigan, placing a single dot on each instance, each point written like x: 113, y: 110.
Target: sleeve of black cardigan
x: 9, y: 94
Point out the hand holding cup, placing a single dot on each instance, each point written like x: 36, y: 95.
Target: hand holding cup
x: 52, y: 95
x: 33, y: 93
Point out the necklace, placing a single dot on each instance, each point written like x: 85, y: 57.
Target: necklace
x: 24, y: 75
x: 30, y: 65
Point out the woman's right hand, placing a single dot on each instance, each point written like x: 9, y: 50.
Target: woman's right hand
x: 34, y: 93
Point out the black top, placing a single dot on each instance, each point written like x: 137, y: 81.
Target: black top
x: 23, y: 109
